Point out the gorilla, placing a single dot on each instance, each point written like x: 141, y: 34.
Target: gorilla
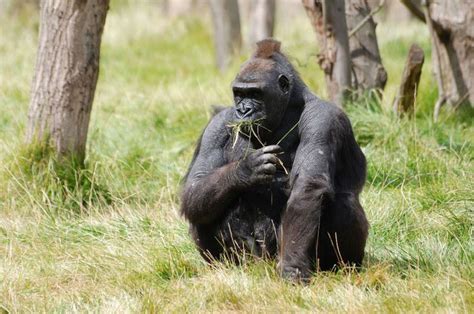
x: 278, y: 175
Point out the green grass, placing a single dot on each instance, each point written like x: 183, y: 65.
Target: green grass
x: 109, y: 237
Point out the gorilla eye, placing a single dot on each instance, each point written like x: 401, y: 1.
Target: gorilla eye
x: 238, y: 94
x: 284, y: 83
x: 255, y: 94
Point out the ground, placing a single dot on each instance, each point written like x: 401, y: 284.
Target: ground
x: 110, y: 238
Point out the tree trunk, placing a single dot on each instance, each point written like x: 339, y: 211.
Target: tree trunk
x: 262, y: 20
x: 414, y: 6
x: 452, y: 37
x: 329, y: 21
x: 405, y: 100
x: 227, y: 38
x: 177, y: 8
x: 164, y: 6
x: 396, y: 12
x: 452, y: 34
x: 367, y: 70
x: 67, y: 67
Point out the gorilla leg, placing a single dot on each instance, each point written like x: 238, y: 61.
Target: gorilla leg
x: 205, y: 239
x: 342, y: 235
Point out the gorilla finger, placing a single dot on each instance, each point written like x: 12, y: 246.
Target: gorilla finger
x: 252, y: 158
x: 264, y: 178
x: 268, y: 169
x: 274, y: 149
x: 269, y: 158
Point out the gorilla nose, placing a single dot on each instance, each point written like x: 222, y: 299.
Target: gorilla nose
x: 244, y: 110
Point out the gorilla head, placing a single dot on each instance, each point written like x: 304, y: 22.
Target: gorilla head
x: 262, y: 88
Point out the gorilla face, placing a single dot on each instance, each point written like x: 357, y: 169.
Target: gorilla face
x: 263, y: 98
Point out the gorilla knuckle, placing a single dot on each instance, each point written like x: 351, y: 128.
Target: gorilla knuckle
x: 272, y: 149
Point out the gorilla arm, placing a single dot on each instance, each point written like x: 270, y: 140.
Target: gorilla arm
x: 311, y: 183
x: 211, y: 185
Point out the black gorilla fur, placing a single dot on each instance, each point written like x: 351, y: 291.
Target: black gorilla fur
x: 287, y: 184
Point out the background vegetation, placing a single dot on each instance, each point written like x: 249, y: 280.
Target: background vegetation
x: 110, y: 238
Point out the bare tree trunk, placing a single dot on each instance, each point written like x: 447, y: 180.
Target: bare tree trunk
x: 262, y: 20
x: 244, y: 9
x: 329, y: 21
x: 164, y: 6
x: 414, y: 6
x: 67, y: 67
x: 396, y: 12
x: 198, y: 5
x: 174, y: 8
x: 405, y: 100
x: 367, y: 68
x: 452, y: 34
x: 227, y: 37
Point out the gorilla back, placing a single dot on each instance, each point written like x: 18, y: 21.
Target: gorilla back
x: 279, y: 173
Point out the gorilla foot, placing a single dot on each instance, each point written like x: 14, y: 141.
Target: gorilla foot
x: 295, y: 275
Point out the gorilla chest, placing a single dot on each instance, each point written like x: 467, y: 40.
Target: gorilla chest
x: 253, y: 220
x: 271, y: 198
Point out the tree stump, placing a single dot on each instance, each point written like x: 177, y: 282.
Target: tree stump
x: 405, y: 100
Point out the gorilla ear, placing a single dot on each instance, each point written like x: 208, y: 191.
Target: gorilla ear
x: 284, y: 83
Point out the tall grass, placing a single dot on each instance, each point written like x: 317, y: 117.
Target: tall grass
x: 108, y: 237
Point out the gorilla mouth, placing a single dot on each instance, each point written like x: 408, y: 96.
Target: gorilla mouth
x: 246, y: 114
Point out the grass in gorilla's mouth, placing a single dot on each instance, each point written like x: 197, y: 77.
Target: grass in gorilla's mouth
x: 250, y: 128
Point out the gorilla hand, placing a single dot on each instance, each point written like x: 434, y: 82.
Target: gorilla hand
x: 258, y: 167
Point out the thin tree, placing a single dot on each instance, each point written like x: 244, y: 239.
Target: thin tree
x: 67, y: 68
x: 227, y: 36
x: 329, y: 21
x: 368, y: 72
x: 262, y: 20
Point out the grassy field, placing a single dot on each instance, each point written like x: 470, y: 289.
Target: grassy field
x: 109, y: 238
